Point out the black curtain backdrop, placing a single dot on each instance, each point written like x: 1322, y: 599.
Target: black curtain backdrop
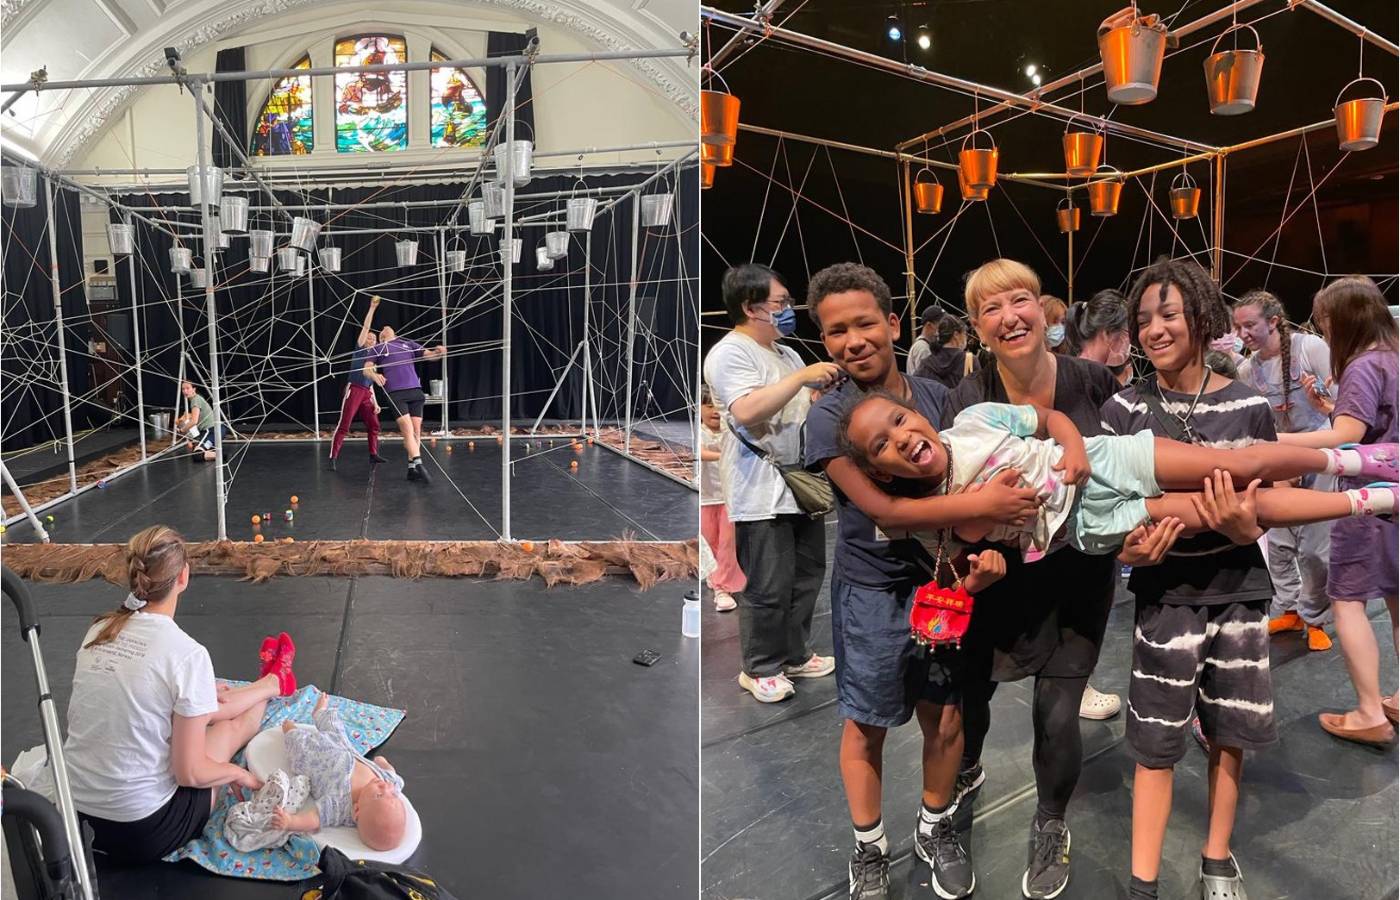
x: 499, y: 43
x: 266, y: 336
x: 231, y: 106
x: 33, y: 409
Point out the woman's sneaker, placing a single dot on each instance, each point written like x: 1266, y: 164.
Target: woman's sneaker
x: 724, y: 601
x: 816, y: 667
x: 1047, y: 869
x: 950, y: 868
x: 767, y: 690
x: 869, y: 873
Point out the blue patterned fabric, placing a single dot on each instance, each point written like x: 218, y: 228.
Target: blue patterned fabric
x: 367, y: 726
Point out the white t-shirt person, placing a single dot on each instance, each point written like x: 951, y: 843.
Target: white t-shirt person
x: 119, y: 719
x: 1309, y: 355
x: 736, y: 366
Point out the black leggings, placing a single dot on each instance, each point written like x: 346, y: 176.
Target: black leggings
x: 1058, y: 754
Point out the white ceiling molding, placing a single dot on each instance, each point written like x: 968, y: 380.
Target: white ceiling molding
x: 607, y: 27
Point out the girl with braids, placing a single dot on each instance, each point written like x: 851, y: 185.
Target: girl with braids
x: 150, y: 734
x: 1352, y: 316
x: 1280, y: 358
x: 947, y: 361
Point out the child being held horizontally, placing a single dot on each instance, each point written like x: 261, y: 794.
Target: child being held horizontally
x: 1104, y: 487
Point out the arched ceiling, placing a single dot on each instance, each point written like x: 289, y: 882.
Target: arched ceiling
x: 81, y: 39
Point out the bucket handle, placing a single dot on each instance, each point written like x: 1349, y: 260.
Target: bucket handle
x: 972, y: 136
x: 1105, y: 172
x: 1095, y: 125
x: 1384, y: 96
x: 1258, y: 44
x: 1183, y: 181
x: 725, y: 84
x: 922, y: 171
x: 1065, y: 203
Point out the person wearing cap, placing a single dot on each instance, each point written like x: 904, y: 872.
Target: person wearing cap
x: 923, y: 344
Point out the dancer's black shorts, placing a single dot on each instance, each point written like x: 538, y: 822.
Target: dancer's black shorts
x: 408, y: 403
x: 164, y: 831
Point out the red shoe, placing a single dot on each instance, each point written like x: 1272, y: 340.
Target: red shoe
x: 267, y: 655
x: 286, y: 653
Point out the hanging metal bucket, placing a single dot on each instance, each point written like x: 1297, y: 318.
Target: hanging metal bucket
x: 199, y: 277
x: 1232, y: 76
x: 406, y: 252
x: 260, y: 243
x: 524, y: 152
x: 1104, y: 191
x: 579, y: 213
x: 707, y: 176
x: 1132, y: 61
x: 543, y: 261
x: 979, y: 167
x: 1067, y: 216
x: 304, y: 232
x: 233, y: 212
x: 1359, y: 121
x: 1082, y: 150
x: 158, y: 425
x: 456, y: 260
x: 721, y: 155
x: 719, y: 118
x: 119, y: 237
x: 510, y: 250
x: 300, y: 268
x: 258, y: 263
x: 180, y: 258
x: 928, y: 195
x: 1185, y: 197
x: 556, y: 244
x: 656, y: 210
x: 221, y: 238
x: 207, y: 190
x: 286, y: 259
x: 476, y: 218
x: 969, y: 193
x: 329, y: 257
x: 493, y: 198
x: 19, y: 186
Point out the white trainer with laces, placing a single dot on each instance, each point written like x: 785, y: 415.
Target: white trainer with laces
x: 816, y: 667
x: 724, y: 601
x: 767, y: 690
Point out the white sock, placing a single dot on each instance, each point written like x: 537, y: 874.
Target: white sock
x: 1371, y: 501
x: 1343, y: 461
x: 929, y: 817
x: 874, y: 836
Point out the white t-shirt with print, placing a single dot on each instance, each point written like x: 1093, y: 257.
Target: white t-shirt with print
x: 1310, y: 355
x: 735, y: 367
x: 119, y: 718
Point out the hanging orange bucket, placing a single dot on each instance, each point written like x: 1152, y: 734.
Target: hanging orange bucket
x: 717, y: 155
x: 1185, y: 197
x: 1232, y: 76
x: 719, y: 118
x: 1359, y: 121
x: 1132, y: 58
x: 928, y: 195
x: 707, y: 176
x: 1067, y: 216
x: 1082, y: 149
x: 970, y: 193
x: 1104, y: 191
x: 978, y: 166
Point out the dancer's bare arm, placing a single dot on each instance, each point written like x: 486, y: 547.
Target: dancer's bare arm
x: 369, y: 317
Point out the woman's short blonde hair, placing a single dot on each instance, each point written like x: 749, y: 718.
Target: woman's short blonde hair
x: 996, y: 277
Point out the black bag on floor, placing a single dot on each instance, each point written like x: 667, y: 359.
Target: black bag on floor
x: 345, y: 879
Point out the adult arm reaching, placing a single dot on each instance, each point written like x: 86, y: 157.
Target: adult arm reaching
x: 369, y: 318
x: 762, y: 404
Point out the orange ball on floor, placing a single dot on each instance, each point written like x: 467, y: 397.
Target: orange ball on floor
x: 294, y: 498
x: 527, y: 546
x: 257, y: 520
x: 257, y: 538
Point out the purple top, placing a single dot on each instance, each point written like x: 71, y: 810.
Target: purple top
x: 1363, y: 561
x: 1367, y: 393
x: 394, y: 360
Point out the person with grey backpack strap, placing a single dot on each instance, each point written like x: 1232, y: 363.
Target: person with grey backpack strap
x: 763, y: 391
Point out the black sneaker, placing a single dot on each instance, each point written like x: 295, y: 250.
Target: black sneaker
x: 950, y: 866
x: 423, y: 472
x: 869, y: 873
x: 332, y: 464
x: 375, y: 459
x: 969, y: 785
x: 1047, y: 869
x: 415, y: 473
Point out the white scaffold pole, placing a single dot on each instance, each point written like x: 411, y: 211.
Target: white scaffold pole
x: 202, y: 156
x: 23, y: 503
x: 315, y: 349
x: 62, y: 340
x: 587, y: 339
x: 136, y: 337
x: 629, y: 350
x: 442, y: 297
x: 507, y: 176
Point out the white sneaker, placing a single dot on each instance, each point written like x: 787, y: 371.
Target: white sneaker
x: 724, y: 601
x: 1097, y: 706
x: 767, y: 690
x: 816, y: 667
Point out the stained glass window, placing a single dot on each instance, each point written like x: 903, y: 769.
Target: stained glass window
x: 284, y: 125
x: 458, y: 111
x: 371, y: 109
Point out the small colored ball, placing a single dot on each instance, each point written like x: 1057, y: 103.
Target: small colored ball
x: 471, y: 445
x: 257, y: 539
x: 102, y: 485
x: 287, y: 540
x: 449, y: 448
x: 2, y: 529
x: 527, y: 546
x: 574, y: 464
x: 257, y: 520
x: 48, y: 518
x: 294, y: 498
x: 590, y: 442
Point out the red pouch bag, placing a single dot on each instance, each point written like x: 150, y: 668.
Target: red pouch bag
x: 940, y: 615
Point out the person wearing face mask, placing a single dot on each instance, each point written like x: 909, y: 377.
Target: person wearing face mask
x: 763, y: 392
x: 1054, y: 322
x: 1097, y: 329
x: 948, y: 362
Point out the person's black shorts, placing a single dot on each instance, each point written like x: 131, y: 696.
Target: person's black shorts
x: 408, y: 403
x: 161, y: 833
x: 880, y: 672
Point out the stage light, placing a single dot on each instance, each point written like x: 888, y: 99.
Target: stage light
x: 923, y: 37
x: 1030, y: 70
x: 1035, y: 80
x: 893, y: 28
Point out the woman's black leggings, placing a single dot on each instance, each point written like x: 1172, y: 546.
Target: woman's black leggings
x: 1058, y: 754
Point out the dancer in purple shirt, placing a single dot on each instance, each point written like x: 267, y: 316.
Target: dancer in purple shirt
x: 390, y: 365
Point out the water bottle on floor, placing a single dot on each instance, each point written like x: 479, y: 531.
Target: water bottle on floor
x: 690, y: 615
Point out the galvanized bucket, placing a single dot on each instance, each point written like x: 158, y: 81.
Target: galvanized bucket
x: 978, y: 166
x: 233, y: 212
x: 476, y: 218
x: 494, y: 198
x: 120, y: 238
x: 1104, y: 191
x: 656, y: 210
x: 969, y: 193
x: 18, y: 186
x: 1067, y: 216
x: 304, y: 232
x: 524, y: 153
x: 158, y: 424
x: 510, y: 250
x: 717, y: 155
x: 1359, y: 121
x: 1132, y: 61
x: 543, y: 261
x: 207, y: 190
x: 329, y: 257
x: 456, y: 260
x: 928, y: 195
x: 719, y: 118
x: 258, y: 263
x: 435, y: 387
x: 1185, y: 197
x: 199, y: 277
x: 287, y: 259
x: 300, y: 268
x: 221, y: 238
x: 406, y: 252
x: 1232, y: 76
x: 1082, y: 149
x: 180, y: 258
x: 579, y: 213
x: 707, y: 176
x: 556, y: 244
x: 260, y: 243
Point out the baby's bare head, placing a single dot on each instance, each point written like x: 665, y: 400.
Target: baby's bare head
x: 380, y: 816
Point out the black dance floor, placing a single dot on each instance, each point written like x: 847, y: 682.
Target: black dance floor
x: 1317, y: 816
x: 606, y: 497
x: 543, y: 762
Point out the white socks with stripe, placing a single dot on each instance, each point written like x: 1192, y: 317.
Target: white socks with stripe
x: 873, y: 835
x: 929, y: 817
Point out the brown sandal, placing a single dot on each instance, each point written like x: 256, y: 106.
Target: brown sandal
x: 1382, y: 735
x: 1391, y: 705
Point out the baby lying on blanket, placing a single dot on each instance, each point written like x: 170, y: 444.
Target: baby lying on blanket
x: 347, y: 789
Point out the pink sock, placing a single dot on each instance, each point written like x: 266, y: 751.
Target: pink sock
x: 1377, y: 500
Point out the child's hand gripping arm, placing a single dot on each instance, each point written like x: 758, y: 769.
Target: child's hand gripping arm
x: 1074, y: 464
x: 984, y: 570
x: 306, y: 822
